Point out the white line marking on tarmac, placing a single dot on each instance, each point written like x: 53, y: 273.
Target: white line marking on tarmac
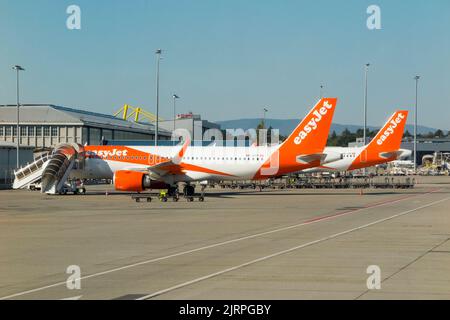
x: 184, y: 284
x: 312, y: 221
x: 72, y: 298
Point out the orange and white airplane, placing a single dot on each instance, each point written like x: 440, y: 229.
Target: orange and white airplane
x: 135, y: 168
x: 384, y: 147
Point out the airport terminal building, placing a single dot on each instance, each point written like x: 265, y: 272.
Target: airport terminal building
x: 192, y: 123
x: 43, y: 126
x: 46, y: 125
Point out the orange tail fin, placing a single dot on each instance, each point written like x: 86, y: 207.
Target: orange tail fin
x: 390, y: 136
x: 304, y: 147
x: 386, y: 144
x: 310, y: 136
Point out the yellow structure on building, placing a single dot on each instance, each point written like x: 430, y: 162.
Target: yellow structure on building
x: 137, y: 113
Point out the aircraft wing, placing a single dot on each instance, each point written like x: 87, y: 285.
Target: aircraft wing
x: 160, y: 169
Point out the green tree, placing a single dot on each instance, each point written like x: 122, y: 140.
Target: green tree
x: 439, y: 133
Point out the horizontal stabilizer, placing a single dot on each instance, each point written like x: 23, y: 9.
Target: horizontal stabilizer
x: 390, y: 154
x: 322, y: 157
x: 309, y: 158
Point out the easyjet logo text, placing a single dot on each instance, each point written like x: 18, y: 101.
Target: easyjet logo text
x: 391, y: 128
x: 313, y: 122
x: 111, y: 153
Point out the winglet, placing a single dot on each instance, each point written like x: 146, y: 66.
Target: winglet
x: 180, y: 154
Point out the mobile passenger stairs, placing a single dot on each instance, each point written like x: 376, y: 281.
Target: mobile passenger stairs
x: 50, y: 171
x: 29, y: 177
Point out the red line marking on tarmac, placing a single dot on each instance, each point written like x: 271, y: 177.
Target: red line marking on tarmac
x: 373, y: 205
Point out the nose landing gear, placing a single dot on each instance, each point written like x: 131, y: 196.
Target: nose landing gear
x: 172, y: 191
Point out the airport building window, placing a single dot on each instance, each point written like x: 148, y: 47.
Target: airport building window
x: 14, y: 131
x: 107, y: 134
x: 85, y: 135
x: 31, y: 131
x: 38, y: 131
x: 1, y: 130
x: 94, y: 136
x: 54, y: 131
x: 7, y: 131
x: 23, y: 131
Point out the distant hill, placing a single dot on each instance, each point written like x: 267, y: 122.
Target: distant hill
x: 287, y: 125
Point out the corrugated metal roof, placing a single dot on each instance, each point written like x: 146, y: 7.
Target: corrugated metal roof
x: 51, y: 114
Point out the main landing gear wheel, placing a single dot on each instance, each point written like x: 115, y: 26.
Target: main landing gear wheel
x: 172, y: 191
x: 188, y: 192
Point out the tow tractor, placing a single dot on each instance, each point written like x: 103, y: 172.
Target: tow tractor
x: 172, y: 192
x: 164, y: 194
x: 74, y: 186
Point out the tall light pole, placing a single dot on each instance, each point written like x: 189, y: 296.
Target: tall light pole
x: 264, y: 117
x: 366, y: 70
x: 175, y: 97
x: 415, y: 125
x: 18, y: 69
x: 158, y: 59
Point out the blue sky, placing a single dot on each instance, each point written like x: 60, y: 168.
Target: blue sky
x: 229, y: 59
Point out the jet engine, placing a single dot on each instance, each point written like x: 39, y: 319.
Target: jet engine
x: 129, y: 180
